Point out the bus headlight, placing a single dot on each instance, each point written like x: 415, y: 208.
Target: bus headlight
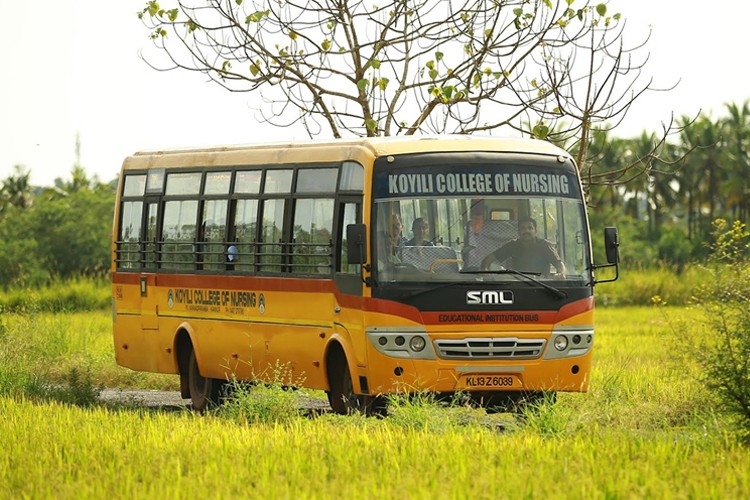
x: 417, y: 343
x: 561, y: 342
x: 570, y: 342
x: 405, y: 342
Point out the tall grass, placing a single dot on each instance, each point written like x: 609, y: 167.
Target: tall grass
x: 638, y: 286
x: 135, y: 454
x: 70, y: 296
x: 645, y: 429
x: 45, y: 348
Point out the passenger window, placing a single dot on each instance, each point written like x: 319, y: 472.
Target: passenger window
x: 313, y: 229
x: 248, y: 182
x: 214, y: 225
x: 183, y: 184
x: 352, y: 177
x: 129, y: 255
x: 349, y: 217
x: 278, y: 181
x: 245, y: 222
x: 318, y: 180
x: 217, y: 183
x: 178, y: 234
x: 135, y: 185
x: 271, y: 248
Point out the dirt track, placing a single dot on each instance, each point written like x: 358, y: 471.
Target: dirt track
x: 171, y: 400
x: 147, y: 398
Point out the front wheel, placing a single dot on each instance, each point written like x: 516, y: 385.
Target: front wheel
x: 205, y: 392
x: 343, y: 399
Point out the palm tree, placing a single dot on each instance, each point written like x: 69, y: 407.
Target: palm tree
x: 700, y: 172
x: 737, y: 136
x: 16, y: 190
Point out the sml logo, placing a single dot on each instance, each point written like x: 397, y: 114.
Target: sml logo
x: 497, y: 297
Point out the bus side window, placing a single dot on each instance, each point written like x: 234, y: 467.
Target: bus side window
x: 348, y: 216
x: 179, y: 233
x: 245, y: 224
x: 213, y: 227
x: 313, y: 230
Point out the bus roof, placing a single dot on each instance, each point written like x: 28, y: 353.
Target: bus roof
x: 361, y: 149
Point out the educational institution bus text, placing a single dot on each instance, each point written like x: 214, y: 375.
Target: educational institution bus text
x: 360, y: 267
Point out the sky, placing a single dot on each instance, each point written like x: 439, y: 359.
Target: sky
x: 73, y: 68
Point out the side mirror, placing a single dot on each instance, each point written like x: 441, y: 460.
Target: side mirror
x: 356, y: 249
x: 612, y: 245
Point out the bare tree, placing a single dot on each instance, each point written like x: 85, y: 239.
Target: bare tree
x: 550, y: 69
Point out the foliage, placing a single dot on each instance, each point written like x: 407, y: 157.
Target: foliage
x: 642, y: 411
x: 412, y: 66
x: 73, y: 233
x: 638, y: 286
x: 76, y: 389
x: 19, y: 264
x: 39, y: 350
x: 425, y: 412
x: 274, y: 402
x: 720, y: 344
x: 59, y: 296
x: 64, y: 233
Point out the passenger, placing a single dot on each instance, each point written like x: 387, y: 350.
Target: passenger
x: 420, y: 228
x: 478, y: 240
x: 387, y: 257
x: 396, y: 233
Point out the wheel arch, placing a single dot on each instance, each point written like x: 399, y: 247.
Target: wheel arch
x: 336, y: 356
x: 183, y: 344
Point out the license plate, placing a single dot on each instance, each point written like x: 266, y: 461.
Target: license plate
x: 489, y: 381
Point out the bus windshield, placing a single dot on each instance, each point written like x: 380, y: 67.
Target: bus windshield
x: 516, y: 223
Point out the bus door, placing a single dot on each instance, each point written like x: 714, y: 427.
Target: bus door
x: 150, y: 256
x: 349, y: 321
x: 348, y: 277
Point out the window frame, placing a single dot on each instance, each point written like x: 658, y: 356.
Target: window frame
x: 251, y: 264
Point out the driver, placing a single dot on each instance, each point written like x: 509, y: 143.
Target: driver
x: 528, y: 252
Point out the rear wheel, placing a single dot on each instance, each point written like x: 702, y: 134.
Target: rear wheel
x: 205, y: 392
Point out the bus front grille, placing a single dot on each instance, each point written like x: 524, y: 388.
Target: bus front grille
x: 483, y: 348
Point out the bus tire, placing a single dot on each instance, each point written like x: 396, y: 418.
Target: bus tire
x: 205, y: 392
x: 341, y: 397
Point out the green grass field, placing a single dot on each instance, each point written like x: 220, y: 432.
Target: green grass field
x: 646, y: 429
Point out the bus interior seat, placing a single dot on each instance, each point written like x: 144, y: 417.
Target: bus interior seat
x: 425, y: 258
x: 493, y: 235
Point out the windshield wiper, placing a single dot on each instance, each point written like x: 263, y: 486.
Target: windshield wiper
x: 528, y: 275
x: 433, y: 288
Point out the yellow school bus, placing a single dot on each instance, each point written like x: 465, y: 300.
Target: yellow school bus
x: 364, y: 267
